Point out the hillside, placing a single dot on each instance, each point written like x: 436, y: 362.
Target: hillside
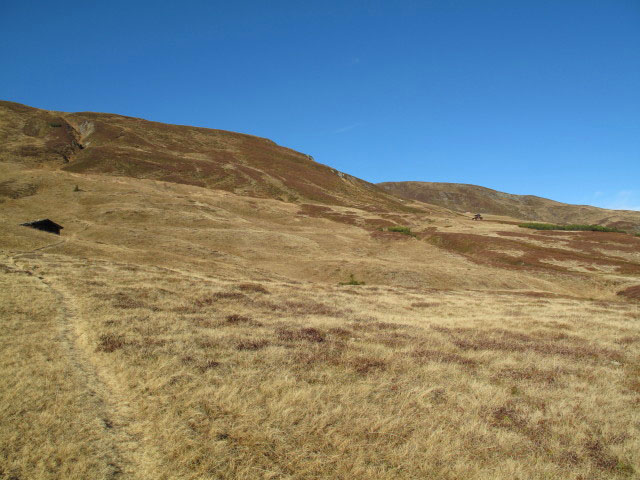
x: 471, y: 198
x: 185, y: 330
x: 89, y: 142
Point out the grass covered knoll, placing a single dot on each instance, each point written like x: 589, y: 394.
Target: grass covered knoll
x: 570, y: 228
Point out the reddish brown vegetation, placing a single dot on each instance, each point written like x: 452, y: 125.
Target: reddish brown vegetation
x: 631, y: 292
x: 252, y: 345
x: 110, y: 343
x: 302, y: 334
x: 252, y: 287
x: 487, y: 250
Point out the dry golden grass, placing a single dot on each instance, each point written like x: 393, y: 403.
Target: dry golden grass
x: 173, y: 332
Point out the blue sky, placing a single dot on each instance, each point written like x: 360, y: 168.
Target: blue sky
x: 529, y: 97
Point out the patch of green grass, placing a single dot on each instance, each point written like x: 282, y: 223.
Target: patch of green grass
x: 352, y: 281
x: 572, y: 227
x: 403, y: 230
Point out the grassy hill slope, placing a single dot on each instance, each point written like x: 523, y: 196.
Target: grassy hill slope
x: 114, y: 144
x: 179, y: 331
x: 471, y: 198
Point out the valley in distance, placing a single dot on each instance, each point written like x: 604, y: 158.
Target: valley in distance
x: 217, y: 306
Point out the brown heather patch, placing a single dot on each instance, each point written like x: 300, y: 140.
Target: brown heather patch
x: 632, y: 378
x: 252, y: 288
x: 545, y: 344
x: 377, y: 325
x: 392, y: 339
x: 366, y: 365
x: 110, y: 342
x: 321, y: 354
x: 301, y: 334
x: 378, y: 223
x: 15, y: 190
x: 426, y: 304
x: 486, y: 250
x: 252, y: 345
x: 203, y: 322
x: 218, y: 296
x: 122, y: 300
x: 386, y: 235
x: 236, y: 319
x: 508, y: 417
x: 592, y: 242
x: 340, y: 332
x: 631, y: 292
x: 600, y: 455
x: 628, y: 340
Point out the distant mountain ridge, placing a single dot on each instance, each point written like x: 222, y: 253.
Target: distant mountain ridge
x: 472, y: 198
x: 88, y: 142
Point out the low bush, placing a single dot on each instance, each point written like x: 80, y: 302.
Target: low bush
x: 403, y: 230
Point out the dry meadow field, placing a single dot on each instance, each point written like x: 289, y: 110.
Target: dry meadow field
x: 177, y: 332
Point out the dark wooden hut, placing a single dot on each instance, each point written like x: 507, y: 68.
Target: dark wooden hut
x: 45, y: 225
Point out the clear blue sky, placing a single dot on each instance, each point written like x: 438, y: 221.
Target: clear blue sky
x: 529, y: 97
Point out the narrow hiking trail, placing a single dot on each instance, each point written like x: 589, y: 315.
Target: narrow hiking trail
x: 127, y: 456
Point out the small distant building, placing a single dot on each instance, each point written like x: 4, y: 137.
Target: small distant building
x: 45, y: 225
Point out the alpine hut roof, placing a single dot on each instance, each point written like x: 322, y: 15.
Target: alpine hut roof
x: 45, y: 225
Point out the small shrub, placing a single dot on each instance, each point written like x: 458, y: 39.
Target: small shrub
x: 55, y: 125
x: 352, y: 281
x: 403, y: 230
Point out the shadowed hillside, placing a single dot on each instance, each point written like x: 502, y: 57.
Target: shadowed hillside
x: 114, y: 144
x: 472, y: 198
